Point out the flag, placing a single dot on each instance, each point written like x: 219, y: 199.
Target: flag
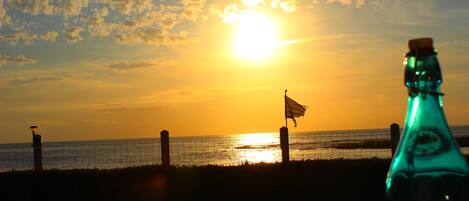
x: 293, y: 109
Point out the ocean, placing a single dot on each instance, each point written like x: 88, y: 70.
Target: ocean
x: 205, y: 150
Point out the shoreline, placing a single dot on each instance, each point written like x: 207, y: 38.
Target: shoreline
x: 319, y: 132
x: 381, y: 143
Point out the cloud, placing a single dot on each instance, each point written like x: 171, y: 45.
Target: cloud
x: 127, y: 108
x: 178, y: 96
x: 96, y: 24
x: 454, y: 43
x: 192, y: 9
x: 194, y: 95
x: 156, y: 37
x: 4, y: 18
x: 73, y: 7
x: 359, y: 3
x: 166, y: 18
x: 67, y: 8
x: 28, y: 39
x: 31, y: 80
x: 134, y: 22
x: 127, y: 6
x: 49, y: 36
x: 229, y: 13
x: 252, y: 3
x: 72, y: 34
x: 34, y: 7
x: 356, y: 3
x: 285, y: 5
x: 15, y: 38
x: 417, y: 13
x: 47, y: 78
x: 18, y: 60
x: 132, y: 65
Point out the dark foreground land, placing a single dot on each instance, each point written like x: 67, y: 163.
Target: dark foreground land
x: 303, y: 180
x: 322, y: 180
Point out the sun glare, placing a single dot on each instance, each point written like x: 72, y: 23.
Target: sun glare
x: 259, y: 147
x: 255, y: 37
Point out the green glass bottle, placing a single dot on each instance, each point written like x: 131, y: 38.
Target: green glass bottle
x: 428, y: 165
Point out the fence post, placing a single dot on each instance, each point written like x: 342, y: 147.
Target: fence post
x: 164, y: 137
x: 37, y: 146
x: 395, y: 135
x: 284, y: 144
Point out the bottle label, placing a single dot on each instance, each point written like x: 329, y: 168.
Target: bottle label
x: 428, y: 142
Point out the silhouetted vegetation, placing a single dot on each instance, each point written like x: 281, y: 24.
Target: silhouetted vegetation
x: 348, y: 180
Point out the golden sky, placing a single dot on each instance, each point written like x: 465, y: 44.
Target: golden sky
x: 100, y: 69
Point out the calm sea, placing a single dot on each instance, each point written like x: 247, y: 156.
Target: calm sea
x: 202, y: 150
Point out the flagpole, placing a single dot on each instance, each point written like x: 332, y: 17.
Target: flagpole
x: 285, y: 103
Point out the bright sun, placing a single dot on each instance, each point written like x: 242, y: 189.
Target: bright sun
x: 255, y: 37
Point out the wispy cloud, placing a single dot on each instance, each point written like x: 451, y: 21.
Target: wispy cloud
x: 47, y: 78
x: 18, y: 60
x: 325, y: 38
x: 417, y: 13
x: 156, y: 37
x: 356, y: 3
x: 129, y: 108
x: 31, y: 80
x: 455, y: 43
x: 28, y: 39
x: 131, y: 65
x: 179, y: 96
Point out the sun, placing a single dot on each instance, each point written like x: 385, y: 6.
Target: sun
x: 255, y: 36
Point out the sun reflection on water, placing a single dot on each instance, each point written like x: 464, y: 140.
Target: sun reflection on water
x: 259, y: 147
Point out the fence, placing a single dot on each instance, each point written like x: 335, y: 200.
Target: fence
x: 205, y: 150
x: 87, y: 154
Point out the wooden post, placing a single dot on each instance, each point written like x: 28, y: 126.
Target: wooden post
x: 284, y: 144
x: 395, y: 135
x: 37, y: 146
x: 164, y: 137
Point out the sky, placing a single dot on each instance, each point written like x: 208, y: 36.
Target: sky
x: 102, y: 69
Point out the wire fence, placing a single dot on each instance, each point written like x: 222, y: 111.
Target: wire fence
x: 80, y: 155
x: 332, y: 146
x: 101, y: 154
x: 197, y: 151
x: 16, y: 157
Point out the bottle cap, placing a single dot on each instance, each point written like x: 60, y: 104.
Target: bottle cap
x: 421, y: 43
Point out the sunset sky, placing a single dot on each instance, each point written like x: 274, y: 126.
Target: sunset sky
x: 102, y: 69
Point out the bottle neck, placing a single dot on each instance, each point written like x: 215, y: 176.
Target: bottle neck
x: 423, y: 79
x: 422, y: 73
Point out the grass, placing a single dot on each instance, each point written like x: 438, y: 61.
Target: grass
x: 300, y: 180
x: 322, y: 180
